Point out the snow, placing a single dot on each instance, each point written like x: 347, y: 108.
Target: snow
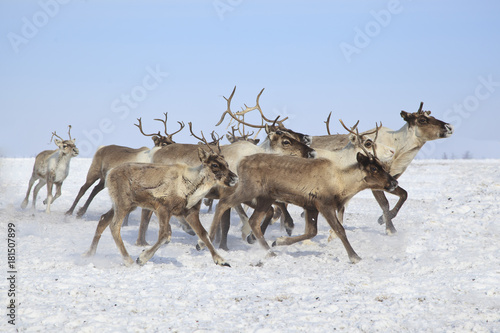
x: 440, y: 272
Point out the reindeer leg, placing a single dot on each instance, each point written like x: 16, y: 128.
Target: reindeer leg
x: 49, y: 198
x: 145, y: 218
x: 331, y: 217
x: 340, y: 217
x: 259, y: 213
x: 220, y: 209
x: 288, y: 220
x: 37, y: 188
x: 98, y: 188
x: 58, y: 192
x: 164, y: 235
x: 185, y: 226
x: 115, y: 227
x: 403, y: 195
x: 311, y: 230
x: 224, y: 229
x: 245, y: 228
x: 384, y: 204
x: 25, y: 202
x: 193, y: 218
x: 82, y: 191
x: 263, y: 227
x: 104, y: 221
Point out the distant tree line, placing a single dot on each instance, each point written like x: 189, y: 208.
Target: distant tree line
x: 466, y: 156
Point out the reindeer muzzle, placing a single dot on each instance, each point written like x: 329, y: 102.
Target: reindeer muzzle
x: 232, y: 180
x: 448, y: 130
x: 391, y: 186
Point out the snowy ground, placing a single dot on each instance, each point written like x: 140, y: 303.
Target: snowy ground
x: 440, y: 272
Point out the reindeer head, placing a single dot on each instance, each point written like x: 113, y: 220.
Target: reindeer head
x: 218, y: 166
x: 67, y: 147
x: 364, y: 142
x: 286, y: 144
x: 376, y: 177
x: 426, y: 127
x: 158, y: 139
x: 215, y: 162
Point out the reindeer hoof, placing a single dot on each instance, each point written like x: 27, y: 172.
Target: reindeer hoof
x: 391, y: 231
x: 354, y: 258
x: 251, y: 239
x: 79, y: 214
x: 288, y: 231
x: 225, y: 264
x: 139, y: 261
x: 381, y: 220
x: 141, y: 243
x: 271, y: 254
x: 274, y: 244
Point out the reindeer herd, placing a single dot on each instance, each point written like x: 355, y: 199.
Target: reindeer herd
x: 318, y: 173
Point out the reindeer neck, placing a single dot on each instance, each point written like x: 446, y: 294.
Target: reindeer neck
x: 199, y: 182
x: 407, y: 146
x: 344, y: 170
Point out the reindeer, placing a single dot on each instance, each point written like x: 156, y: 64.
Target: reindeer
x: 108, y: 157
x: 420, y: 127
x: 51, y: 168
x: 355, y: 143
x: 175, y: 189
x: 328, y: 183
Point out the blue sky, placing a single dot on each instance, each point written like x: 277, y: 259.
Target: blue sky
x: 99, y: 65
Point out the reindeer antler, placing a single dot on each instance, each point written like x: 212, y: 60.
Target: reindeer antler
x: 327, y: 122
x: 165, y: 125
x: 359, y: 138
x: 257, y: 107
x: 243, y: 112
x: 202, y: 139
x: 140, y: 128
x: 55, y: 135
x: 69, y: 131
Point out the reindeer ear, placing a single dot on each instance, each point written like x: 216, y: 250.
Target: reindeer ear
x: 58, y: 142
x: 407, y: 116
x: 267, y: 129
x: 202, y: 154
x: 362, y: 159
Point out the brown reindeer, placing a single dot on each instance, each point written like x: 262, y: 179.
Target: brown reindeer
x: 108, y: 157
x: 168, y: 190
x: 420, y: 127
x: 51, y: 168
x: 321, y: 185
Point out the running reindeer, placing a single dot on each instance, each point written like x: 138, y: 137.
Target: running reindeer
x: 420, y: 127
x: 168, y: 190
x: 51, y: 168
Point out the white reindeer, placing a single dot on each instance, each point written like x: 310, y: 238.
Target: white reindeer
x: 51, y: 168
